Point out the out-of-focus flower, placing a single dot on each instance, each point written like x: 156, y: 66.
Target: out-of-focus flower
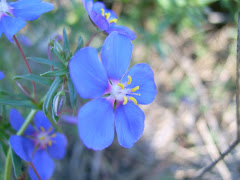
x: 116, y: 93
x: 1, y: 75
x: 13, y: 15
x: 38, y: 145
x: 106, y: 19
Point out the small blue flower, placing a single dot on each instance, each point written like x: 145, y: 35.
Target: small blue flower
x: 13, y: 15
x: 106, y: 19
x: 116, y: 93
x: 38, y: 145
x: 1, y: 75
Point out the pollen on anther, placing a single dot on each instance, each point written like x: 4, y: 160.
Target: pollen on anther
x: 125, y: 100
x: 53, y: 135
x: 102, y: 11
x: 42, y: 138
x: 121, y: 85
x: 135, y: 89
x: 133, y: 99
x: 129, y: 80
x: 113, y: 21
x: 50, y: 129
x: 42, y: 129
x: 107, y: 15
x: 49, y: 143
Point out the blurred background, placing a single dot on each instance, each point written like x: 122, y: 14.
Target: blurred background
x: 191, y: 46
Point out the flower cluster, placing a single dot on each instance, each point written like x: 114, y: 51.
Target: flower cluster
x: 38, y: 145
x: 13, y: 16
x: 116, y: 93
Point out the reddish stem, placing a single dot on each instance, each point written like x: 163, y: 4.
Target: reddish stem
x: 34, y: 169
x: 93, y: 36
x: 26, y: 62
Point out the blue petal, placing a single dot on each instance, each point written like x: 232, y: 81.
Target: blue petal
x: 142, y: 76
x: 116, y: 55
x: 58, y: 148
x: 97, y: 6
x: 129, y: 121
x: 96, y: 124
x: 41, y: 120
x: 122, y: 30
x: 43, y: 164
x: 22, y: 146
x: 88, y: 5
x: 1, y: 74
x: 88, y: 74
x: 16, y: 121
x: 10, y: 26
x: 31, y: 12
x: 24, y: 3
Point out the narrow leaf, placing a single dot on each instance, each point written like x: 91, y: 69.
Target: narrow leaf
x: 50, y: 94
x: 79, y: 44
x: 18, y: 102
x: 16, y: 161
x: 35, y: 78
x: 47, y: 61
x: 66, y: 43
x: 72, y: 93
x: 55, y: 73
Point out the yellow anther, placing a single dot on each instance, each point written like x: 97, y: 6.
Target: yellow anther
x: 50, y: 129
x: 125, y: 100
x: 113, y: 20
x: 121, y: 85
x: 129, y: 80
x: 102, y: 12
x: 107, y: 15
x: 53, y: 135
x: 135, y: 89
x: 133, y: 99
x: 42, y: 138
x: 42, y: 129
x: 49, y: 143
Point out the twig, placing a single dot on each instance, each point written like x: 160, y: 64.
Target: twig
x: 210, y: 166
x: 35, y: 170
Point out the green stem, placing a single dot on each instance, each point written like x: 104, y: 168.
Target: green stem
x: 8, y: 165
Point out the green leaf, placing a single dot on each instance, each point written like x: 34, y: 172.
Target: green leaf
x: 47, y: 61
x: 35, y: 78
x: 16, y: 161
x: 50, y: 94
x: 18, y: 102
x: 65, y: 42
x: 72, y: 93
x: 79, y: 44
x: 55, y: 73
x: 59, y: 55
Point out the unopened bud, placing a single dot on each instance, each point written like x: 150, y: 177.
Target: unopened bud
x: 58, y: 102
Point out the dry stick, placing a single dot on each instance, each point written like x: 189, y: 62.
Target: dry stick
x: 34, y: 169
x: 93, y: 36
x: 26, y: 62
x: 235, y: 143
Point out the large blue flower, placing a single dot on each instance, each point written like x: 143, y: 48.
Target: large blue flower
x: 13, y: 15
x: 38, y: 145
x: 116, y: 93
x: 1, y: 75
x: 105, y: 19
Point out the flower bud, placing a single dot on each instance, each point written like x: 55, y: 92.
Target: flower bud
x: 58, y: 102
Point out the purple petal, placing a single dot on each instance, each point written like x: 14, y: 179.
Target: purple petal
x: 1, y: 74
x: 129, y: 121
x: 97, y: 6
x: 16, y: 121
x: 58, y: 148
x: 22, y: 146
x: 43, y: 164
x: 142, y: 76
x: 121, y: 30
x: 88, y: 74
x: 10, y: 26
x: 96, y: 124
x: 116, y: 55
x: 87, y: 5
x: 41, y: 121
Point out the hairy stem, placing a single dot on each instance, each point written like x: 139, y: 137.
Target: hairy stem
x: 26, y: 62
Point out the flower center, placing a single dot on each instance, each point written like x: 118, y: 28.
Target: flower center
x: 107, y: 15
x: 4, y: 6
x: 120, y: 92
x: 44, y: 138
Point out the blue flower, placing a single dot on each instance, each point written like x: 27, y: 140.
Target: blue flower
x: 38, y: 145
x: 116, y: 93
x: 106, y: 19
x: 1, y: 75
x: 13, y: 15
